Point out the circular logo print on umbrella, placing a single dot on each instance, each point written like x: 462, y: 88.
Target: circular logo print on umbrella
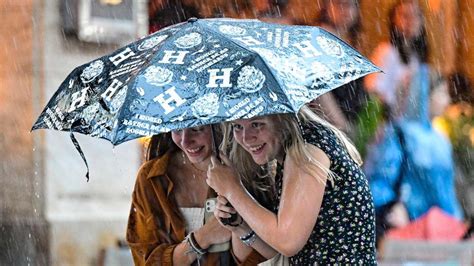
x: 158, y: 76
x: 152, y: 42
x: 118, y: 100
x: 188, y: 41
x: 91, y: 113
x: 92, y: 71
x: 330, y: 47
x: 232, y: 30
x: 348, y: 71
x: 292, y: 71
x: 206, y: 107
x: 321, y: 72
x: 250, y: 79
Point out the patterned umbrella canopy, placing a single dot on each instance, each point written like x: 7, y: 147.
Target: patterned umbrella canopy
x: 201, y: 72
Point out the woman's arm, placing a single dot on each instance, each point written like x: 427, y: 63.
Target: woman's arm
x: 288, y: 231
x: 149, y: 243
x: 240, y: 250
x: 147, y: 246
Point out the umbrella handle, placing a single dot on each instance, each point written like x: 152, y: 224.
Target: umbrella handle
x: 231, y: 220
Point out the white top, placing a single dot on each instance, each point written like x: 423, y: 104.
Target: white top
x: 194, y: 218
x: 387, y: 84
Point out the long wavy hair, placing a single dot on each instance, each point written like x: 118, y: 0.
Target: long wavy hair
x: 418, y: 45
x: 294, y: 146
x: 159, y: 145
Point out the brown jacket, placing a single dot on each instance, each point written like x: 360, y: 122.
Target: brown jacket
x: 155, y: 224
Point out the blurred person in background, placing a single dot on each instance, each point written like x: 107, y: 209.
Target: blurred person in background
x: 274, y: 11
x: 163, y: 13
x: 344, y: 105
x: 401, y: 58
x: 407, y: 173
x: 457, y: 123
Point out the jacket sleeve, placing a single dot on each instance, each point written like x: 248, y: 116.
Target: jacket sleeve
x: 148, y: 241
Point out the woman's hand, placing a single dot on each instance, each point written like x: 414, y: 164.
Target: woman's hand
x: 222, y: 210
x: 212, y: 233
x: 222, y: 177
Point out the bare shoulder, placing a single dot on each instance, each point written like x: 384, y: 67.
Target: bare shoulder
x: 318, y: 154
x: 315, y: 153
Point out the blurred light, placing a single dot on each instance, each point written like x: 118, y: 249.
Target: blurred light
x: 111, y: 2
x: 441, y: 125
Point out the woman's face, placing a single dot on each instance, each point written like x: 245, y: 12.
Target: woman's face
x: 408, y: 20
x: 342, y: 13
x: 195, y: 142
x: 259, y: 137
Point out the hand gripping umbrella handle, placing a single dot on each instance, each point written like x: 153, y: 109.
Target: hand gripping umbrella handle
x: 231, y: 220
x: 215, y: 150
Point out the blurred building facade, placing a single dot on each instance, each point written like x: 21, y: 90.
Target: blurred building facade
x: 49, y: 214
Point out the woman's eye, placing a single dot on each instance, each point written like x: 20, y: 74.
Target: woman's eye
x: 236, y: 127
x: 257, y: 125
x: 198, y: 129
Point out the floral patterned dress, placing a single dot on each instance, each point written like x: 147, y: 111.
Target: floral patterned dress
x: 345, y: 229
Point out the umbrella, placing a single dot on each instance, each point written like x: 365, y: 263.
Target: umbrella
x: 201, y: 72
x: 434, y: 225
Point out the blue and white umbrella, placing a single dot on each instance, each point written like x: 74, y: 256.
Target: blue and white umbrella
x: 200, y: 72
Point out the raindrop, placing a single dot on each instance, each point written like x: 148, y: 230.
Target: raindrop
x: 29, y: 235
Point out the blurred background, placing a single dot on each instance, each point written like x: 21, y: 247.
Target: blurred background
x: 49, y: 214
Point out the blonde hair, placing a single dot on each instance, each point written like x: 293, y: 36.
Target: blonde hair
x: 294, y: 145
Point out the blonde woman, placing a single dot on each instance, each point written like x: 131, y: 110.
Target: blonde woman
x: 323, y: 210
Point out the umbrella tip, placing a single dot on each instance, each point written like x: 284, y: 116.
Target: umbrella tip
x: 193, y: 19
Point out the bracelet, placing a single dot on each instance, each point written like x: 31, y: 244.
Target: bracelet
x: 249, y: 238
x: 195, y: 246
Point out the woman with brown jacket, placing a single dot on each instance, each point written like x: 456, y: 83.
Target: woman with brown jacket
x: 165, y: 225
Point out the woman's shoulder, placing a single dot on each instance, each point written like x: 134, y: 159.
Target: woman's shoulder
x: 313, y: 131
x: 322, y: 137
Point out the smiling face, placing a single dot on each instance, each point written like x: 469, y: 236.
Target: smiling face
x: 260, y: 138
x: 195, y: 142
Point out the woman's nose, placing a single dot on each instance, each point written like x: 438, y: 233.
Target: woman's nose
x: 186, y: 138
x: 248, y: 136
